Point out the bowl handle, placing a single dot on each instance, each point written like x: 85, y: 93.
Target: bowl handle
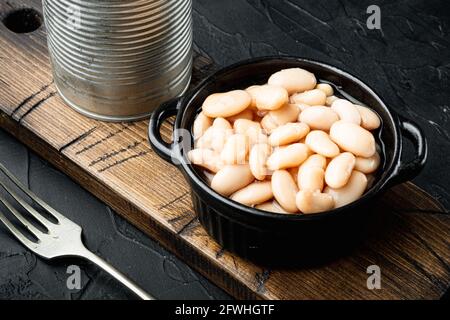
x: 164, y: 111
x: 408, y: 170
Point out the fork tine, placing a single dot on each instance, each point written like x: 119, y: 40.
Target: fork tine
x: 27, y: 207
x: 26, y: 242
x: 30, y: 194
x: 38, y: 233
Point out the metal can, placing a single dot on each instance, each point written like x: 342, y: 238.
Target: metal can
x: 117, y: 60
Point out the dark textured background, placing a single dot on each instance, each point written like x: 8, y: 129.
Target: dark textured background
x: 407, y: 63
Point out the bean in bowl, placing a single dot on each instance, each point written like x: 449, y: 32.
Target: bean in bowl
x: 288, y: 146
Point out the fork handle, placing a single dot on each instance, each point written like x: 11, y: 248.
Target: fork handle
x: 116, y: 274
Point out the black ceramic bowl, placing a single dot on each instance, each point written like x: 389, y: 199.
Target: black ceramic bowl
x: 276, y: 238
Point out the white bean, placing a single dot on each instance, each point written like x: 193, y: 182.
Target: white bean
x: 313, y: 97
x: 257, y: 160
x: 330, y: 100
x: 246, y: 114
x: 315, y: 160
x: 206, y: 158
x: 268, y: 97
x: 221, y: 123
x: 214, y: 138
x: 369, y: 119
x: 288, y: 133
x: 302, y: 107
x: 287, y: 157
x: 256, y: 136
x: 201, y: 124
x: 326, y: 88
x: 251, y: 91
x: 313, y: 202
x: 231, y: 178
x: 311, y: 179
x: 339, y: 170
x: 368, y: 165
x: 319, y: 117
x: 253, y: 194
x: 284, y: 190
x: 235, y: 150
x: 252, y: 130
x: 221, y: 130
x: 346, y: 111
x: 320, y: 142
x: 243, y: 125
x: 294, y: 80
x: 352, y: 191
x: 353, y: 138
x: 276, y: 118
x: 226, y: 104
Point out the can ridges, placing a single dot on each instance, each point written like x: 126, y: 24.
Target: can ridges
x: 148, y: 55
x: 111, y: 4
x: 115, y: 27
x: 124, y: 58
x: 138, y: 96
x: 149, y: 39
x: 139, y: 77
x: 168, y: 58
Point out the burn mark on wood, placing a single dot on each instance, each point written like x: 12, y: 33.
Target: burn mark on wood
x: 173, y: 201
x: 37, y: 104
x: 182, y: 216
x: 220, y: 253
x: 188, y: 227
x: 109, y: 155
x: 118, y: 162
x: 234, y: 262
x: 109, y: 136
x: 261, y: 279
x: 29, y: 98
x: 77, y: 139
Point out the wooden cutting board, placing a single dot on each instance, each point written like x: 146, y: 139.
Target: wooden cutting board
x: 410, y: 243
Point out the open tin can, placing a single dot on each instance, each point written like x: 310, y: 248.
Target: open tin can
x: 118, y: 60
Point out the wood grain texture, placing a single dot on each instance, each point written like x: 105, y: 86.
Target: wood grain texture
x: 115, y: 163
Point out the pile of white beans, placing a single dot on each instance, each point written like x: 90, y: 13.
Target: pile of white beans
x: 288, y: 146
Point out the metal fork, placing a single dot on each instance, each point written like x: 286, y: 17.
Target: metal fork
x: 63, y: 239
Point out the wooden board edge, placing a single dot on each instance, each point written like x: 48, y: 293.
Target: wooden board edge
x: 178, y: 246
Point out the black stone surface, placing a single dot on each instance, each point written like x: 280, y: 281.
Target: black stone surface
x: 407, y: 62
x: 25, y: 276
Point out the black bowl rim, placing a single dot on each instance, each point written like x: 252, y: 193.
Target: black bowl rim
x: 243, y: 211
